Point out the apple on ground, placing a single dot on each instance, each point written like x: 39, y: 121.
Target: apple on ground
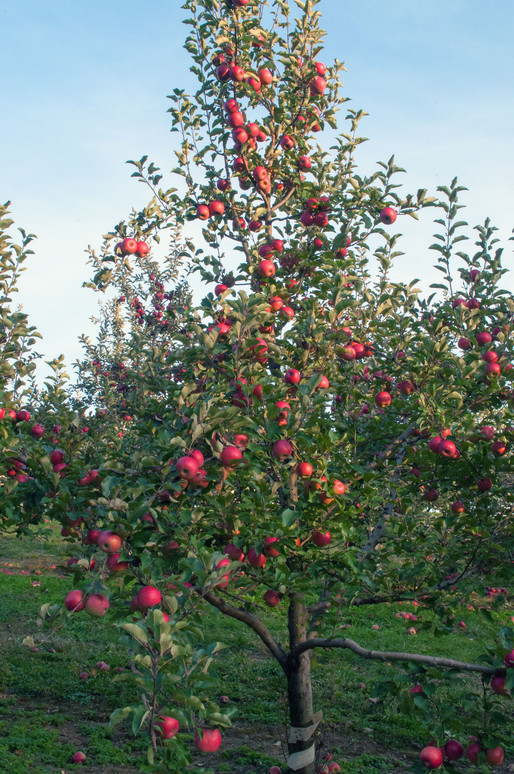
x: 207, y: 739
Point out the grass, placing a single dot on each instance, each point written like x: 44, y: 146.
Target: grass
x: 47, y: 712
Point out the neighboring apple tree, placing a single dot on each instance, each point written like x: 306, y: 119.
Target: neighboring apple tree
x: 316, y: 434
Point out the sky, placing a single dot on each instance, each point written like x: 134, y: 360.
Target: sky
x: 84, y: 89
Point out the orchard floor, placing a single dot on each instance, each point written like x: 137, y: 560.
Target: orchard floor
x: 47, y: 712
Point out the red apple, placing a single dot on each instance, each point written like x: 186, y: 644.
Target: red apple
x: 74, y: 601
x: 202, y: 212
x: 292, y: 376
x: 187, y: 467
x: 216, y: 208
x: 255, y: 559
x: 383, y: 399
x: 287, y: 142
x: 472, y: 752
x: 114, y: 565
x: 169, y: 726
x: 388, y: 215
x: 498, y: 685
x: 234, y: 553
x: 321, y: 539
x: 494, y: 756
x: 431, y: 757
x: 148, y: 596
x: 79, y: 757
x: 129, y: 246
x: 304, y: 469
x: 265, y: 76
x: 97, y: 604
x: 317, y: 86
x: 282, y: 449
x: 142, y: 249
x: 230, y: 456
x: 207, y: 739
x: 266, y: 268
x: 453, y: 749
x: 108, y: 542
x: 271, y: 598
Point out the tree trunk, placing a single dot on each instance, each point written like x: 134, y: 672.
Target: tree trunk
x: 300, y: 693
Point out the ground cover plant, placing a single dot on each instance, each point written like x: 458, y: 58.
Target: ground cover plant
x: 314, y: 445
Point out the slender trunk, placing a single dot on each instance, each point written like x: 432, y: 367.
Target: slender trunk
x: 301, y: 742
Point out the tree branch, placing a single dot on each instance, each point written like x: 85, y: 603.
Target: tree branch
x: 379, y: 655
x: 274, y: 647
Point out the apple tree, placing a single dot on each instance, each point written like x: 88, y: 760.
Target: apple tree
x: 315, y: 434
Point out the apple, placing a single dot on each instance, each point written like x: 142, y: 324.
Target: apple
x: 499, y: 448
x: 79, y: 757
x: 108, y: 542
x: 415, y: 688
x: 187, y: 467
x: 102, y: 666
x: 197, y: 455
x: 234, y: 553
x: 240, y: 136
x: 148, y: 596
x: 304, y: 163
x: 483, y: 338
x: 56, y: 456
x: 266, y: 268
x: 207, y: 739
x: 255, y: 559
x: 265, y: 76
x: 338, y: 488
x: 334, y: 768
x: 458, y: 506
x: 292, y: 376
x: 431, y: 757
x: 74, y: 601
x: 241, y: 440
x: 202, y: 212
x: 317, y: 86
x: 484, y: 484
x: 287, y: 142
x: 220, y: 289
x: 114, y: 565
x: 304, y: 469
x: 216, y: 208
x: 473, y: 303
x: 142, y: 249
x: 169, y: 726
x: 282, y: 449
x: 493, y: 369
x: 320, y: 68
x: 321, y: 539
x: 37, y: 431
x: 472, y: 752
x: 498, y: 685
x: 129, y: 246
x: 509, y: 659
x: 464, y: 343
x: 447, y: 449
x: 383, y: 399
x: 236, y: 119
x: 271, y: 598
x: 494, y: 756
x: 388, y: 215
x: 97, y: 604
x: 431, y: 495
x: 23, y: 416
x: 223, y: 72
x: 276, y: 303
x: 406, y: 387
x: 453, y: 750
x: 231, y: 456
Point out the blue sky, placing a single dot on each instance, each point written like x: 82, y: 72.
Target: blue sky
x: 85, y: 89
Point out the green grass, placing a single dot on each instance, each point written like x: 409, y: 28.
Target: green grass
x: 47, y: 712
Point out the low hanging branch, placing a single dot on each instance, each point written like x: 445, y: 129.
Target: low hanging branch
x: 274, y: 647
x: 382, y: 655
